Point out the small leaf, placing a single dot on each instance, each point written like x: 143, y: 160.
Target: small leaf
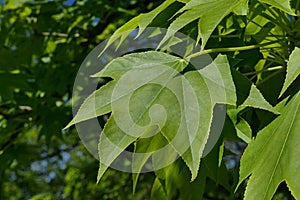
x: 176, y: 183
x: 219, y: 80
x: 293, y: 69
x: 273, y: 156
x: 122, y: 33
x: 243, y: 129
x: 141, y: 21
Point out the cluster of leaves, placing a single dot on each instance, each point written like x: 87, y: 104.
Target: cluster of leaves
x: 255, y: 46
x: 42, y: 44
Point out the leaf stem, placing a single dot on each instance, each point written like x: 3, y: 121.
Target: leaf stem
x: 269, y: 77
x: 226, y: 36
x: 263, y: 70
x: 226, y: 49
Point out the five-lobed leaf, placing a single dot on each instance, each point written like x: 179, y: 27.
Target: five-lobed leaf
x: 143, y: 83
x: 149, y: 98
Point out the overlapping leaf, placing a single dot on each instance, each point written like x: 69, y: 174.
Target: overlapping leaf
x: 210, y: 13
x: 175, y: 96
x: 271, y: 157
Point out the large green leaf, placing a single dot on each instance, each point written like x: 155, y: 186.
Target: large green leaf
x: 149, y: 99
x: 273, y: 156
x: 293, y: 69
x: 162, y: 96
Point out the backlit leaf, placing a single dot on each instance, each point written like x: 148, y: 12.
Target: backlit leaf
x: 210, y: 13
x: 141, y: 21
x: 155, y: 106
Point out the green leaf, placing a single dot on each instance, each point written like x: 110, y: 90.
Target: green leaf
x: 158, y: 191
x: 221, y: 89
x: 144, y: 68
x: 141, y: 21
x: 280, y: 4
x: 273, y: 156
x: 293, y: 69
x: 122, y: 33
x: 148, y: 98
x: 146, y: 18
x: 219, y: 80
x: 243, y: 129
x: 241, y: 9
x: 176, y: 184
x: 256, y: 100
x: 144, y: 148
x: 119, y: 66
x: 112, y: 142
x: 210, y: 12
x: 149, y: 79
x: 98, y: 103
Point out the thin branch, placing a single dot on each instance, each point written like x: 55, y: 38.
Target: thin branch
x: 64, y: 35
x: 263, y: 70
x: 226, y: 49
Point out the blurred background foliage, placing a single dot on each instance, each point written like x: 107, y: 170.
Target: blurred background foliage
x: 42, y: 44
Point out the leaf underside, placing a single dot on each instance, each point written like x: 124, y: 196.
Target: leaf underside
x: 151, y: 102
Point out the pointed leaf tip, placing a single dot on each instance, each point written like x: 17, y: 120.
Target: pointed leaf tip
x: 293, y: 69
x: 71, y: 123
